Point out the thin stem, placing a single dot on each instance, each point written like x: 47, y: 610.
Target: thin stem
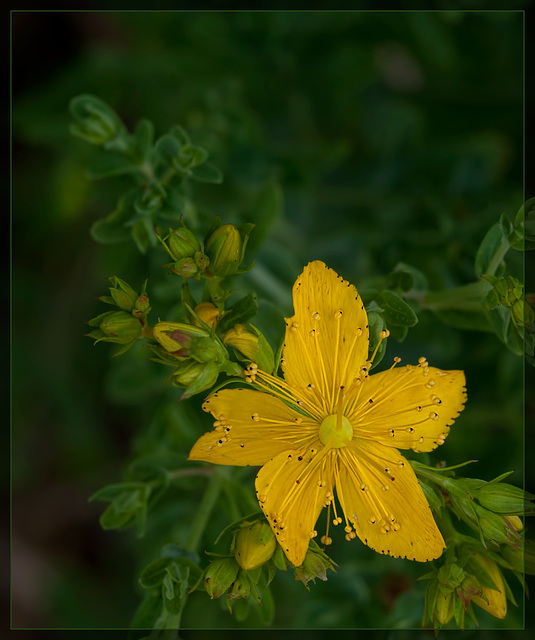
x: 207, y: 504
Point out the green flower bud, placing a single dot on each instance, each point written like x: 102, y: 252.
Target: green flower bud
x: 443, y: 611
x: 254, y: 545
x: 197, y: 378
x: 469, y: 587
x: 116, y: 326
x: 141, y: 308
x: 523, y: 315
x: 503, y: 498
x: 241, y: 587
x: 180, y: 243
x: 224, y: 248
x: 96, y: 122
x: 314, y: 565
x: 219, y: 576
x: 496, y: 528
x: 122, y: 294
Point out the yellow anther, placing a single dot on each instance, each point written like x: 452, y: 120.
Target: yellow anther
x: 294, y: 326
x: 315, y: 315
x: 326, y: 540
x: 384, y: 334
x: 255, y: 417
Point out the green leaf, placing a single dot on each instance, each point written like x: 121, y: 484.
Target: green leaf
x: 172, y: 594
x: 395, y: 310
x: 112, y: 228
x: 240, y: 312
x: 179, y: 134
x: 111, y: 164
x: 168, y: 147
x: 407, y: 278
x: 142, y: 140
x: 523, y: 236
x: 154, y: 573
x: 266, y: 612
x: 112, y: 491
x: 491, y: 251
x: 143, y: 234
x: 207, y: 172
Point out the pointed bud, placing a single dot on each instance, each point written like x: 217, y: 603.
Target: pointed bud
x: 141, y: 307
x: 492, y: 600
x: 314, y: 566
x: 96, y: 121
x: 243, y: 340
x: 443, y: 611
x: 196, y: 378
x: 224, y: 248
x: 122, y: 294
x: 469, y: 588
x: 503, y: 498
x: 179, y: 243
x: 208, y: 313
x: 254, y: 545
x: 219, y: 576
x: 188, y: 341
x: 116, y: 326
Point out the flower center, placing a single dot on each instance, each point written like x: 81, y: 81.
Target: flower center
x: 336, y: 431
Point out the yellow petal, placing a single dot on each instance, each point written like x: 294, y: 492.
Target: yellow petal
x: 250, y: 428
x: 292, y: 489
x: 326, y: 340
x: 408, y: 407
x: 381, y: 496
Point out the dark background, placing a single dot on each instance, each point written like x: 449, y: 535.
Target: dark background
x: 392, y: 137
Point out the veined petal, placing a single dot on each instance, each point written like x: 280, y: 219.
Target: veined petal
x: 251, y: 427
x: 408, y: 407
x: 381, y: 497
x: 292, y: 490
x: 326, y: 341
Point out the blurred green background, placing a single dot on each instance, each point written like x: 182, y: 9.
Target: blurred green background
x: 362, y: 139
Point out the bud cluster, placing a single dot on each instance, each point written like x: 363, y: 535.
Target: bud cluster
x: 252, y: 559
x: 468, y: 576
x: 126, y: 325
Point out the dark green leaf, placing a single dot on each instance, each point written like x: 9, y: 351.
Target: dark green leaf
x: 240, y: 312
x: 395, y: 310
x: 207, y: 172
x: 143, y: 138
x: 112, y: 491
x: 168, y: 147
x: 172, y: 594
x: 178, y: 132
x: 266, y: 612
x: 406, y: 278
x: 111, y: 519
x: 112, y: 228
x: 111, y: 164
x: 154, y: 573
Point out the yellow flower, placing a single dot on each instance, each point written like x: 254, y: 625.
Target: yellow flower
x: 244, y: 340
x: 330, y: 426
x: 208, y: 313
x: 492, y: 600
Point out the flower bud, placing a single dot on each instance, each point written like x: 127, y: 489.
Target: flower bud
x: 186, y: 341
x: 180, y: 243
x: 243, y: 340
x: 122, y: 294
x: 469, y: 588
x: 141, y: 307
x: 96, y: 122
x: 219, y: 576
x: 513, y: 522
x: 492, y: 600
x: 254, y: 545
x: 241, y: 587
x: 503, y: 498
x: 208, y: 313
x: 224, y: 248
x: 196, y: 378
x: 116, y: 326
x: 185, y: 268
x: 314, y: 566
x: 443, y: 611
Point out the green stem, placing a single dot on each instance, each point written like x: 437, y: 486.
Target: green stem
x: 466, y: 298
x: 205, y: 508
x: 497, y: 260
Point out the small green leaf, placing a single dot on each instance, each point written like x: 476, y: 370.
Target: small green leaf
x: 240, y: 312
x: 112, y: 229
x: 154, y: 573
x: 142, y: 139
x: 112, y: 491
x: 168, y: 148
x: 207, y: 172
x: 395, y: 310
x: 178, y: 132
x: 111, y: 164
x: 172, y: 593
x: 406, y: 278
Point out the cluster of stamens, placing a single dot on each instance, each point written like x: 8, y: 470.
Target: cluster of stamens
x: 250, y: 372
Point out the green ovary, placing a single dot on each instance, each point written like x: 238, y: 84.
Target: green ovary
x: 334, y: 433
